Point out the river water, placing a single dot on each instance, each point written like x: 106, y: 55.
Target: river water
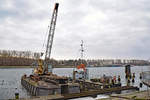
x: 10, y: 78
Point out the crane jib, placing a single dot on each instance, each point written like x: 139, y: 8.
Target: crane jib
x: 56, y: 6
x: 51, y: 35
x: 51, y: 32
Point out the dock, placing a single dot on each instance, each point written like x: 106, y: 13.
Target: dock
x: 100, y: 91
x: 92, y: 93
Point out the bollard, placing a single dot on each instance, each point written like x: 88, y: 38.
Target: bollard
x: 133, y: 80
x: 140, y: 76
x: 128, y: 80
x: 119, y: 79
x: 128, y: 71
x: 16, y: 94
x: 141, y: 84
x: 133, y: 75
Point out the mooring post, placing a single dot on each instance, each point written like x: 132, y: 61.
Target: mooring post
x: 16, y: 93
x: 128, y: 71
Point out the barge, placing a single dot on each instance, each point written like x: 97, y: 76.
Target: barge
x: 48, y: 85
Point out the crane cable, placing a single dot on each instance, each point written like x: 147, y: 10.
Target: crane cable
x: 43, y: 45
x: 46, y: 34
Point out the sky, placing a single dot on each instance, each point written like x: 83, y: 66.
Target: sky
x: 110, y: 29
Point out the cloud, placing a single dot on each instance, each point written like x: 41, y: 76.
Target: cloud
x: 109, y: 28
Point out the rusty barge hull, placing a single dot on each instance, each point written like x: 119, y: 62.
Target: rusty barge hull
x: 35, y: 90
x: 71, y: 91
x: 50, y: 89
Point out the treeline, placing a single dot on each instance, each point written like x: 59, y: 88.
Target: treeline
x: 102, y: 62
x: 27, y: 58
x: 17, y: 58
x: 16, y: 61
x: 19, y: 54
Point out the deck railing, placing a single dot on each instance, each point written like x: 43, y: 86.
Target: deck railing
x: 146, y: 78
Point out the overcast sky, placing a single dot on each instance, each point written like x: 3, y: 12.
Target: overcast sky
x: 109, y: 28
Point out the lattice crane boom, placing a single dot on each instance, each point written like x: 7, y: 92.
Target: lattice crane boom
x: 51, y: 32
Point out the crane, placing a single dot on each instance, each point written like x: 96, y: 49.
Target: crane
x: 43, y: 69
x: 51, y: 36
x: 51, y: 32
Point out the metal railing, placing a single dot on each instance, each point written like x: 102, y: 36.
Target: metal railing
x: 146, y: 78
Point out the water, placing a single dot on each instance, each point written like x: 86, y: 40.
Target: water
x: 10, y: 78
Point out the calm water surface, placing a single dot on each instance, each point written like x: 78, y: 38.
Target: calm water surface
x: 10, y: 78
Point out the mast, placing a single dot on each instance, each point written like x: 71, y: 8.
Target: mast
x: 82, y: 51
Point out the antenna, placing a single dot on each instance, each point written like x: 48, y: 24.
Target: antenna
x: 82, y: 51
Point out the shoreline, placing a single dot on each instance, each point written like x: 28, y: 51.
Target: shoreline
x: 1, y: 67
